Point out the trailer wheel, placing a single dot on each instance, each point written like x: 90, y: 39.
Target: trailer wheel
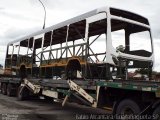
x: 9, y: 90
x: 156, y: 113
x: 4, y: 89
x: 20, y: 93
x: 23, y: 93
x: 127, y: 107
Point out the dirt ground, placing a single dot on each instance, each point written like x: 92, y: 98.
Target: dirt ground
x: 41, y: 109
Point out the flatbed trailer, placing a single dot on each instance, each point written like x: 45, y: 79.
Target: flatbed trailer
x: 58, y: 68
x: 145, y: 93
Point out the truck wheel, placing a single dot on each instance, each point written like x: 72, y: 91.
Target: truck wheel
x: 127, y: 107
x: 4, y: 89
x: 156, y: 113
x: 9, y: 90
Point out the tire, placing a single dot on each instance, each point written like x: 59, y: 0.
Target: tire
x: 20, y: 94
x: 23, y: 93
x: 156, y: 113
x: 4, y: 89
x: 127, y: 107
x: 9, y: 90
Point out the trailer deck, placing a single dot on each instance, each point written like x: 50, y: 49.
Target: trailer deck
x: 91, y: 84
x: 87, y: 84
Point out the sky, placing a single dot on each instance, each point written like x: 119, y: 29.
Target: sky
x: 22, y: 17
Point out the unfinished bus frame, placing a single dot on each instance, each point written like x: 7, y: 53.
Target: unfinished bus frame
x: 82, y: 44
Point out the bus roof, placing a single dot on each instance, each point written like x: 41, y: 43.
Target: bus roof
x: 113, y: 11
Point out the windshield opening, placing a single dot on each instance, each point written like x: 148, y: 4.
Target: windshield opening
x: 131, y: 38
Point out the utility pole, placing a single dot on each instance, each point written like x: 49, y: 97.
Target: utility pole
x: 44, y: 13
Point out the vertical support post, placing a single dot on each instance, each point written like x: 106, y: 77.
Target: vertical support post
x: 28, y: 46
x: 56, y: 54
x: 18, y: 59
x: 41, y: 54
x: 82, y: 50
x: 6, y: 56
x: 61, y: 49
x: 109, y: 49
x: 127, y: 48
x: 73, y: 49
x: 127, y: 42
x: 33, y: 55
x: 12, y: 55
x: 87, y: 45
x: 67, y: 41
x: 87, y: 40
x: 50, y: 52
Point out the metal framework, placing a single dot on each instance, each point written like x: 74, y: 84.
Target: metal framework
x: 72, y: 46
